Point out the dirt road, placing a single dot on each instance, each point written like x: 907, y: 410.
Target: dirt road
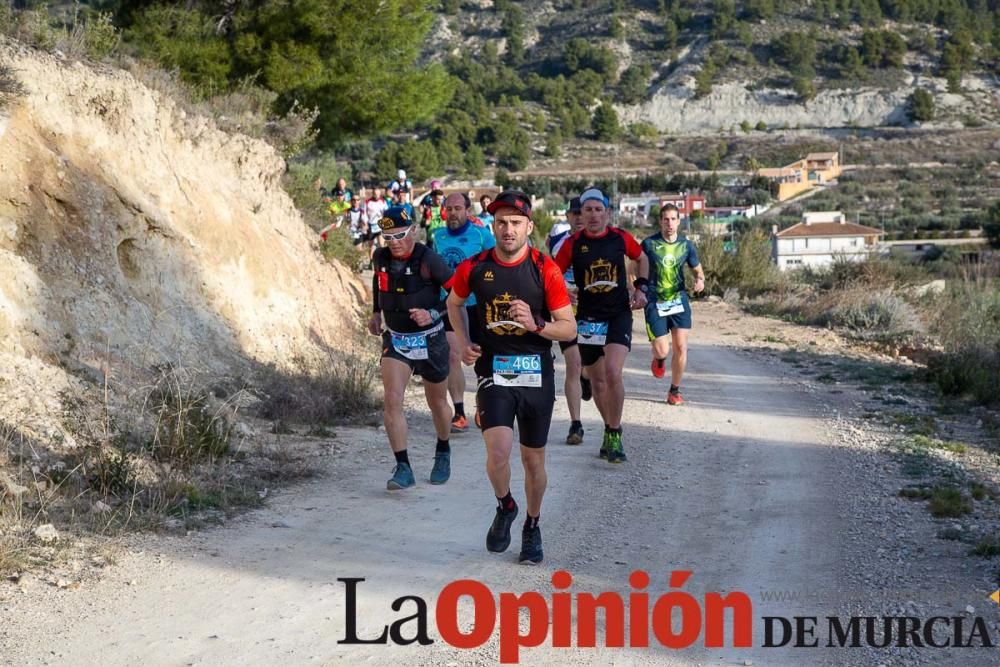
x: 743, y: 486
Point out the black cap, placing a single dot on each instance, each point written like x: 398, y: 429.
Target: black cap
x: 574, y: 205
x: 513, y: 199
x: 396, y: 216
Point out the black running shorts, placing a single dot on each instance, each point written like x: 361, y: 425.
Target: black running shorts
x: 619, y: 331
x: 434, y: 368
x: 566, y: 344
x: 531, y: 407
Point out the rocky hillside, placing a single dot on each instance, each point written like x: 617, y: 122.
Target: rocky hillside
x: 133, y: 236
x: 701, y: 65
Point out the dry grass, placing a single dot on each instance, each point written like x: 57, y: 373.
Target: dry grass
x: 160, y: 450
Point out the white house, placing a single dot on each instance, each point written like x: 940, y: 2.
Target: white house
x: 917, y: 248
x: 820, y: 238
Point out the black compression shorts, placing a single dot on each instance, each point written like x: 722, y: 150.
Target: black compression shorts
x: 619, y: 331
x: 531, y: 407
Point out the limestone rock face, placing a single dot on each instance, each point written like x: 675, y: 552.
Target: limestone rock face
x: 134, y: 234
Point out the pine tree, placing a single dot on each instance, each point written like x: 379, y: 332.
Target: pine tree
x: 605, y: 123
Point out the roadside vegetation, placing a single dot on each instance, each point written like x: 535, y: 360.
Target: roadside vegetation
x: 172, y: 451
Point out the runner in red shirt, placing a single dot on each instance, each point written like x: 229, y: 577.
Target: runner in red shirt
x: 521, y: 307
x: 597, y: 254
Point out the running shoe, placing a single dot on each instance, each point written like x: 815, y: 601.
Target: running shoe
x: 531, y: 546
x: 498, y: 537
x: 459, y: 424
x: 588, y: 393
x: 658, y: 367
x: 442, y: 468
x: 674, y: 398
x: 605, y: 444
x: 402, y: 478
x: 616, y: 451
x: 575, y: 436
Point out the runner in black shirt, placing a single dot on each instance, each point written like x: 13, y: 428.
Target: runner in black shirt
x: 407, y: 294
x: 597, y: 254
x: 521, y: 307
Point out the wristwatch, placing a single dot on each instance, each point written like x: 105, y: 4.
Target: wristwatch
x: 539, y: 324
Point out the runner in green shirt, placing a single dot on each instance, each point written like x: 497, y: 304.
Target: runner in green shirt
x: 668, y: 309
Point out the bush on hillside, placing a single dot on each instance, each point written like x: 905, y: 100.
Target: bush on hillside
x: 749, y: 269
x: 967, y: 321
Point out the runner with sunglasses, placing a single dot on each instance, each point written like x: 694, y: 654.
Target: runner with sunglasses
x: 408, y: 312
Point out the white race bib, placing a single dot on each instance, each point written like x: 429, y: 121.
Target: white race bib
x: 674, y: 307
x: 591, y: 333
x: 522, y: 370
x: 411, y: 346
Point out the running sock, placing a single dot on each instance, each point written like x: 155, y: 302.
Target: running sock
x: 607, y: 428
x: 507, y: 503
x: 460, y: 409
x: 442, y: 447
x: 577, y: 423
x: 402, y: 457
x: 531, y: 522
x: 675, y: 388
x: 615, y: 430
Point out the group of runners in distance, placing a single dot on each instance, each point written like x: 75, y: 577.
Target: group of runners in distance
x: 478, y: 294
x: 361, y: 214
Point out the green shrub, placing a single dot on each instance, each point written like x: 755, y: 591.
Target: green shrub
x: 100, y: 36
x: 967, y: 321
x: 920, y: 106
x: 188, y: 426
x: 112, y: 473
x: 873, y: 313
x: 948, y: 502
x: 749, y: 269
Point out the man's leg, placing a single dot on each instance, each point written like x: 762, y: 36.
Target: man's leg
x: 499, y: 443
x: 614, y: 401
x: 678, y: 363
x: 573, y: 388
x: 599, y: 381
x: 661, y: 347
x: 613, y: 365
x: 535, y: 479
x: 436, y: 394
x: 395, y: 374
x: 437, y: 401
x: 456, y: 382
x: 574, y: 368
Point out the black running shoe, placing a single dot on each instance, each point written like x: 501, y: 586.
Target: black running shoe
x: 498, y: 536
x: 575, y: 435
x: 585, y: 388
x: 531, y: 546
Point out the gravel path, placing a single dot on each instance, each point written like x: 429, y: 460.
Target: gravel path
x: 763, y: 483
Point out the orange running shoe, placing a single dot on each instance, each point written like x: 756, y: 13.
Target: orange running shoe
x: 459, y: 424
x: 674, y: 398
x: 659, y: 367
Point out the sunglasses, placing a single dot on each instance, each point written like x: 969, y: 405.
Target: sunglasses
x: 398, y: 236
